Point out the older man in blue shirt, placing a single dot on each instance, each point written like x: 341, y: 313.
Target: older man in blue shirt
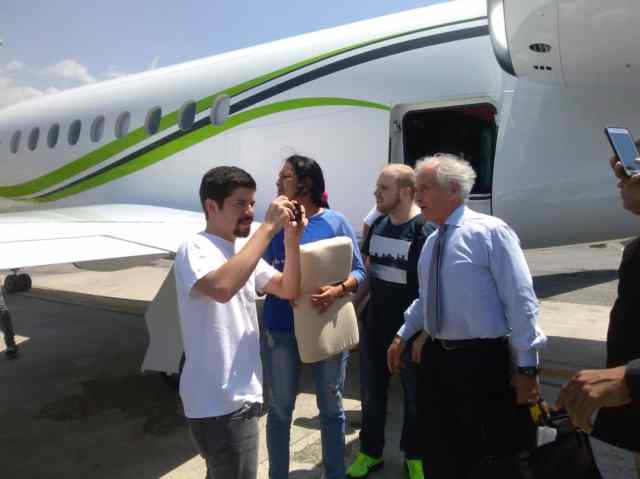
x: 478, y: 315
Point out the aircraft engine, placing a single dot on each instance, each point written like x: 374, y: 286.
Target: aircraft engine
x: 567, y: 42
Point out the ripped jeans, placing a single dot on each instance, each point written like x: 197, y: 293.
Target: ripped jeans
x: 282, y: 368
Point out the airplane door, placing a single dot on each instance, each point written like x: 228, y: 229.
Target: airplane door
x: 467, y: 129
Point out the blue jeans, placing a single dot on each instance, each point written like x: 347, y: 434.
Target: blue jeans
x: 282, y: 370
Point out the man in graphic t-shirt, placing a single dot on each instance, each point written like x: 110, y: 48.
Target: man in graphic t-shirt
x: 391, y: 248
x: 217, y: 275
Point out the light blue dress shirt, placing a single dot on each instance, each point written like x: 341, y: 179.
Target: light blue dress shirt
x: 486, y: 287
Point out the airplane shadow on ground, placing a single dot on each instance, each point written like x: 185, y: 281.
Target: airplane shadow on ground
x: 549, y: 285
x: 74, y: 404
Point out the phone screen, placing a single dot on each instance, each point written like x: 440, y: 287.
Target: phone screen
x: 625, y: 149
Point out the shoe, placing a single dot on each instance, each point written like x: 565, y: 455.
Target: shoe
x: 11, y: 352
x: 414, y: 468
x: 363, y: 465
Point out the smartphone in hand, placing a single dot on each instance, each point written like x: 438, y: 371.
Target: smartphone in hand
x: 625, y: 149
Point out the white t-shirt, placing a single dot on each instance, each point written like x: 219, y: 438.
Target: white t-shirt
x: 221, y: 340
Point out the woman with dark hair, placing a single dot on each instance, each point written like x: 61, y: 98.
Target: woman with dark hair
x: 301, y: 179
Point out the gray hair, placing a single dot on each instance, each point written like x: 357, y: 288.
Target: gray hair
x: 451, y: 169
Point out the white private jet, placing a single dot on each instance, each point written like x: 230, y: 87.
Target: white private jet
x: 107, y: 175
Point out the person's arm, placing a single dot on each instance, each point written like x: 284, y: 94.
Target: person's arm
x: 358, y: 273
x: 413, y: 322
x: 515, y: 288
x: 328, y: 294
x: 413, y: 319
x: 224, y: 282
x: 287, y: 284
x: 590, y: 390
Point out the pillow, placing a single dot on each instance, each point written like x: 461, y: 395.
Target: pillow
x: 321, y: 336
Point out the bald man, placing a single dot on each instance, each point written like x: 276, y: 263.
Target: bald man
x: 392, y: 248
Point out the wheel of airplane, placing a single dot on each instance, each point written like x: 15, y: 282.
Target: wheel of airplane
x: 11, y: 283
x: 24, y: 281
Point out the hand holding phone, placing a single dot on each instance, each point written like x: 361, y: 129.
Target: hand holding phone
x: 625, y: 149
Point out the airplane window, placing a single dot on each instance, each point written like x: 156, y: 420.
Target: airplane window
x: 74, y: 132
x: 97, y: 129
x: 187, y: 115
x: 15, y: 142
x: 122, y: 124
x: 52, y: 136
x: 220, y: 110
x: 152, y: 122
x: 33, y: 138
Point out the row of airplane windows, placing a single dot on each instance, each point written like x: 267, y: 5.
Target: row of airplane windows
x: 186, y: 119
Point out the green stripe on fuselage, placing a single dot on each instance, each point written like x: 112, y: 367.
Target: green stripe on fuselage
x: 197, y: 136
x: 109, y: 150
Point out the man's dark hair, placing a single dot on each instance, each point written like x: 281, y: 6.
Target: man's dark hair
x: 219, y: 183
x: 310, y: 178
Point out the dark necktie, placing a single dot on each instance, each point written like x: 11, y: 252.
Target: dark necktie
x: 433, y: 295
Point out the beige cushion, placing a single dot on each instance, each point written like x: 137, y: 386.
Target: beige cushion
x: 321, y: 336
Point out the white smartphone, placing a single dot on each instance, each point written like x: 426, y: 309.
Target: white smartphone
x: 625, y: 149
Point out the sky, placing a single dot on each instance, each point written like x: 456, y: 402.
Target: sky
x: 52, y: 45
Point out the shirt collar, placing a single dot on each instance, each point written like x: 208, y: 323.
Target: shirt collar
x: 457, y: 216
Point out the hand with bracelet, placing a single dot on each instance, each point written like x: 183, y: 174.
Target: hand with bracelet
x: 326, y: 295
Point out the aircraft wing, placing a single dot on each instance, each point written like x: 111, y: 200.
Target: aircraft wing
x: 99, y: 233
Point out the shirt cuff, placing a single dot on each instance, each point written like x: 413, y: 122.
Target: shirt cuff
x: 405, y: 332
x: 632, y: 378
x: 526, y: 359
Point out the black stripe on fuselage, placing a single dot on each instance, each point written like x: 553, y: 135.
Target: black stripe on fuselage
x: 359, y: 59
x: 340, y: 65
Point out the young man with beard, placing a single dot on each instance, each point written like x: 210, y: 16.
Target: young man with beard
x: 391, y: 251
x: 217, y: 276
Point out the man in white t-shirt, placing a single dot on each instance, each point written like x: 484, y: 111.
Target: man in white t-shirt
x: 217, y: 276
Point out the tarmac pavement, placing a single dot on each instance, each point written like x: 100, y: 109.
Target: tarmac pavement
x: 74, y: 403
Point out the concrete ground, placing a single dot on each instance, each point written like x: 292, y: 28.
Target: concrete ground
x: 74, y: 403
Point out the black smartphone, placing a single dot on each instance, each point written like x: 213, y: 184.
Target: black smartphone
x: 297, y: 211
x: 625, y: 149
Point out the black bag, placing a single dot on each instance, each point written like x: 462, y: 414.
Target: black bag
x: 568, y: 456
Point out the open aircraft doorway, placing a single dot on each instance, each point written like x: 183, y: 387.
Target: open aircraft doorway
x: 468, y: 130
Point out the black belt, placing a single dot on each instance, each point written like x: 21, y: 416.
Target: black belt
x: 247, y: 411
x: 476, y: 344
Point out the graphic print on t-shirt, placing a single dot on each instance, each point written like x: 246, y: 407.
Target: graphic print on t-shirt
x: 389, y: 259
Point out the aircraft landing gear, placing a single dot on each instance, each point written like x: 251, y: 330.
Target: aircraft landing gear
x: 15, y: 283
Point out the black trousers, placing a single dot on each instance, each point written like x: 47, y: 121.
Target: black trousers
x: 467, y: 408
x: 374, y: 389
